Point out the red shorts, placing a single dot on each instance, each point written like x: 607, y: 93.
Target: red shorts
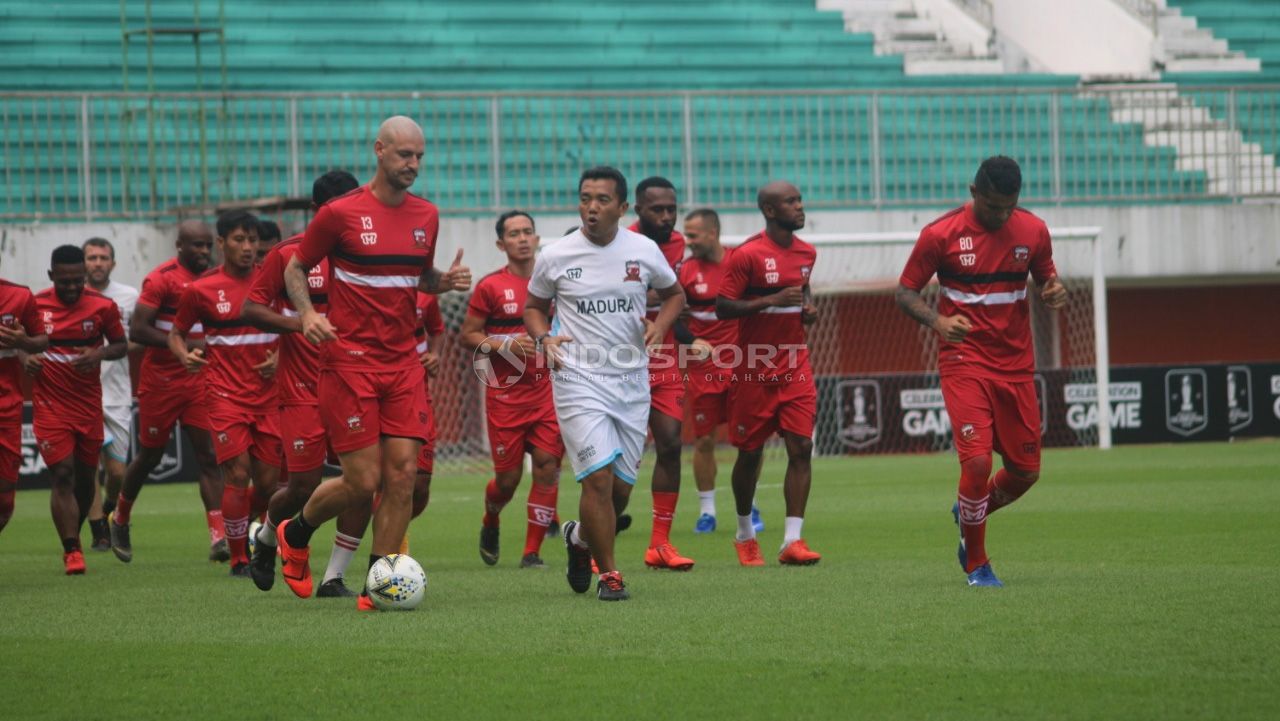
x: 427, y: 454
x: 158, y: 409
x: 989, y: 414
x: 666, y: 393
x: 512, y: 431
x: 10, y: 448
x: 236, y: 429
x: 305, y: 443
x: 758, y: 410
x: 708, y: 395
x: 359, y: 408
x: 58, y: 438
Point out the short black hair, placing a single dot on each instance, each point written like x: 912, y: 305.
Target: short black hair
x: 501, y: 225
x: 999, y: 174
x: 67, y: 255
x: 268, y: 230
x: 707, y: 215
x: 331, y: 185
x: 605, y: 172
x: 236, y: 219
x: 100, y: 243
x: 653, y: 181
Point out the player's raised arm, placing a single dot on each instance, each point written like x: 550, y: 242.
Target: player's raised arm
x: 457, y: 277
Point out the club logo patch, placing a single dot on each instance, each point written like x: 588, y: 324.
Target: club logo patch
x: 419, y: 238
x: 354, y: 424
x: 1021, y: 254
x: 87, y: 326
x: 299, y: 445
x: 633, y: 271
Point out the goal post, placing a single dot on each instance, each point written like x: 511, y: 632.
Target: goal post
x: 877, y: 369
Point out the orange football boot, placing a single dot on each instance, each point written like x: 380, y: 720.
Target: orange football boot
x: 74, y: 563
x: 295, y: 563
x: 797, y: 553
x: 749, y: 552
x: 666, y: 556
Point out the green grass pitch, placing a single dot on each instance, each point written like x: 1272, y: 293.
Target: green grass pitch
x: 1142, y: 582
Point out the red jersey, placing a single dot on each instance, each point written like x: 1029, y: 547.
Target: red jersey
x: 775, y: 337
x: 232, y: 346
x: 162, y: 289
x: 298, y: 370
x: 983, y: 276
x: 430, y: 322
x: 17, y: 308
x: 499, y: 300
x: 701, y: 282
x: 377, y: 254
x: 74, y: 395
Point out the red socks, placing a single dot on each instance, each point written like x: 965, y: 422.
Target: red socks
x: 235, y: 515
x: 1006, y: 488
x: 217, y: 530
x: 494, y: 501
x: 124, y: 508
x: 664, y: 510
x: 258, y: 499
x: 973, y: 509
x: 541, y: 509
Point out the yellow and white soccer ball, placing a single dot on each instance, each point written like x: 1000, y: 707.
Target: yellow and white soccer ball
x: 396, y: 583
x: 253, y: 536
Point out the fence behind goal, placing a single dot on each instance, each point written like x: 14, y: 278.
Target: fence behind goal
x: 878, y: 389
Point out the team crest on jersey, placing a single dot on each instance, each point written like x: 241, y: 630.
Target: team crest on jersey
x: 8, y: 320
x: 633, y: 271
x: 804, y: 272
x: 355, y: 424
x: 87, y: 326
x: 299, y: 445
x: 967, y: 431
x: 1021, y: 254
x: 419, y: 238
x: 501, y: 449
x: 222, y: 438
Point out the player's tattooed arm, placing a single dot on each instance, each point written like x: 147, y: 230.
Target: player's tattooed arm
x: 952, y: 328
x: 315, y: 327
x: 143, y: 330
x: 458, y: 277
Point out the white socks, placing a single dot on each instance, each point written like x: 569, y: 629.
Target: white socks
x: 344, y: 548
x: 746, y: 530
x: 792, y: 531
x: 707, y: 502
x: 574, y: 538
x: 267, y: 532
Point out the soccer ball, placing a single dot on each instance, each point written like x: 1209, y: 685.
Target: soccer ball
x: 253, y: 537
x: 396, y: 583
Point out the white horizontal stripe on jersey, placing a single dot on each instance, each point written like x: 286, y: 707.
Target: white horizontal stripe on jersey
x: 246, y: 339
x: 60, y: 357
x: 703, y: 315
x: 291, y: 313
x: 1003, y: 298
x: 784, y: 310
x: 167, y: 325
x: 376, y: 281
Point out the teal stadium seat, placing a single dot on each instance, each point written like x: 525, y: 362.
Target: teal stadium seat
x: 148, y: 157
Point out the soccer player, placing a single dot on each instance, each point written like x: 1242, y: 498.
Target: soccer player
x: 239, y: 388
x: 599, y: 277
x: 117, y: 391
x: 982, y: 253
x: 20, y: 332
x: 164, y: 393
x: 380, y: 240
x: 519, y: 411
x: 67, y: 391
x: 268, y: 237
x: 709, y: 379
x: 766, y: 284
x: 656, y: 210
x: 268, y: 308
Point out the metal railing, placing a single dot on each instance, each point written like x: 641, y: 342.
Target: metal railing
x: 97, y: 156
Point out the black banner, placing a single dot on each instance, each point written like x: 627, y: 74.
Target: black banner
x: 897, y: 413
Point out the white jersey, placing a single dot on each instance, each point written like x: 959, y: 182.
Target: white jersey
x: 116, y: 390
x: 600, y: 293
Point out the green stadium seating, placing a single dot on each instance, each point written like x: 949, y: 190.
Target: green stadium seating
x: 177, y: 151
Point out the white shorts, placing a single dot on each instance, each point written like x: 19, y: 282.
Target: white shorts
x: 116, y: 422
x: 604, y: 422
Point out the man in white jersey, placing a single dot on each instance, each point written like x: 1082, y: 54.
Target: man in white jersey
x: 117, y: 391
x: 598, y: 277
